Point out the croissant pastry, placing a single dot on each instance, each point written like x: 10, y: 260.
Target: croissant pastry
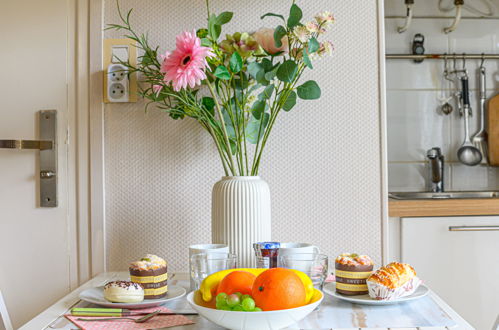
x: 393, y: 275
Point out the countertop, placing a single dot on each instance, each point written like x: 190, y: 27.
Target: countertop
x: 443, y: 207
x: 332, y: 314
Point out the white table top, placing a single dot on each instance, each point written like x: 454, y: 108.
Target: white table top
x: 333, y: 314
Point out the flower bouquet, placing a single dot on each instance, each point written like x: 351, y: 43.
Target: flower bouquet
x: 234, y: 88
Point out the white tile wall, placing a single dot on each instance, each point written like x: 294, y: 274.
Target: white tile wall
x: 415, y: 122
x: 429, y: 8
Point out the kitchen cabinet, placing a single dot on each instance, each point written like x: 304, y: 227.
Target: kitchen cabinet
x: 458, y: 257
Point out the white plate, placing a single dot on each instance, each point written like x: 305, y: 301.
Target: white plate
x: 365, y: 299
x: 96, y: 296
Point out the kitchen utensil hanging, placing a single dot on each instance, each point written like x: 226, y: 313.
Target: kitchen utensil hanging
x: 445, y: 107
x: 467, y: 154
x: 479, y: 140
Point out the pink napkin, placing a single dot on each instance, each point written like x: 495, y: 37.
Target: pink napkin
x: 159, y: 321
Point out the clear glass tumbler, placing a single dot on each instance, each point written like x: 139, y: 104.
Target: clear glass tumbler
x: 315, y: 265
x: 204, y: 264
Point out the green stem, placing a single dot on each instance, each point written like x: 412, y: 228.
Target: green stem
x: 220, y: 152
x: 208, y: 8
x: 225, y: 135
x: 287, y: 88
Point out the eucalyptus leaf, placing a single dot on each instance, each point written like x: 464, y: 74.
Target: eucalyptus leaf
x: 253, y: 128
x: 267, y: 64
x: 222, y: 72
x: 233, y: 146
x: 306, y: 59
x: 271, y: 75
x: 258, y: 108
x: 287, y: 71
x: 235, y: 62
x: 241, y: 81
x: 279, y: 33
x: 290, y: 101
x: 224, y: 17
x: 256, y: 70
x: 254, y: 88
x: 309, y: 90
x: 313, y: 45
x: 295, y: 15
x: 267, y: 92
x: 272, y: 15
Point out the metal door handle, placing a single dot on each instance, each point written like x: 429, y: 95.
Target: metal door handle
x: 473, y: 228
x: 47, y: 147
x: 26, y: 144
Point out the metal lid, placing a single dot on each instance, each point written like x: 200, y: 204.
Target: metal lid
x: 267, y: 245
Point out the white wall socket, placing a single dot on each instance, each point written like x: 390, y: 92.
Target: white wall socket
x: 118, y: 85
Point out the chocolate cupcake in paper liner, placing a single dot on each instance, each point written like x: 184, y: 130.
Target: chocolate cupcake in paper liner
x: 151, y: 272
x: 351, y: 271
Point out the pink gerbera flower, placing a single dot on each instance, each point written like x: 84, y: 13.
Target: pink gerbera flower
x: 186, y: 64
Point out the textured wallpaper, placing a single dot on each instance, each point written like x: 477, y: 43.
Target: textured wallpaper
x: 322, y: 162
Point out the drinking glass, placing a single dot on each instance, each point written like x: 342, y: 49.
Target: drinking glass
x: 315, y: 265
x: 204, y: 264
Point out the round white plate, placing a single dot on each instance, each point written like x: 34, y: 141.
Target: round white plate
x: 365, y: 299
x: 96, y: 296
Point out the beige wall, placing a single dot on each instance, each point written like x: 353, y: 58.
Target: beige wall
x: 322, y: 164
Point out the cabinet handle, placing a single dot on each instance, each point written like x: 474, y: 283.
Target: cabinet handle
x: 473, y: 228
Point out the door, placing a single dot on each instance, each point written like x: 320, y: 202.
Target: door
x: 36, y: 244
x: 458, y: 258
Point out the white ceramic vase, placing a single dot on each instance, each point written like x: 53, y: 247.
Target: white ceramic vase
x: 240, y: 215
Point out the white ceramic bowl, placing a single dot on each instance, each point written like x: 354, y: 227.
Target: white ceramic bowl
x: 254, y: 320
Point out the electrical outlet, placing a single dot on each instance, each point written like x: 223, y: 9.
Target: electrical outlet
x: 119, y: 85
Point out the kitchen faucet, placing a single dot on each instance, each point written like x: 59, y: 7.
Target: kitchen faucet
x: 436, y: 173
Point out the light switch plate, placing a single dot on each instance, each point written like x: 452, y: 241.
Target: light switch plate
x: 120, y: 48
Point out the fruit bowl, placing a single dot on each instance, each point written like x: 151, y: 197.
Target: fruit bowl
x: 256, y: 320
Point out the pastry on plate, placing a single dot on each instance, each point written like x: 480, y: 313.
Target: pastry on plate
x: 393, y: 281
x: 150, y: 272
x: 351, y: 273
x: 123, y: 292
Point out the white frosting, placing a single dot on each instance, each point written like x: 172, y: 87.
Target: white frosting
x: 123, y: 292
x: 148, y: 262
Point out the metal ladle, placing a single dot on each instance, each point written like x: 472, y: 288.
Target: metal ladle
x: 467, y: 154
x: 480, y: 138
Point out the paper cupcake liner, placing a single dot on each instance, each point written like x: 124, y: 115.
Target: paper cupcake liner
x: 381, y: 292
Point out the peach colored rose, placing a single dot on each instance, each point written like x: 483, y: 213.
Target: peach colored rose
x: 265, y: 37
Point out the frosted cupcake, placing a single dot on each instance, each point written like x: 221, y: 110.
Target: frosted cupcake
x: 351, y: 273
x: 151, y: 272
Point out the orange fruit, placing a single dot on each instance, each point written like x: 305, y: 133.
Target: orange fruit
x: 278, y: 288
x: 237, y: 281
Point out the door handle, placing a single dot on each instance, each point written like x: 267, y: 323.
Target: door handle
x: 26, y: 144
x: 47, y: 149
x: 473, y: 228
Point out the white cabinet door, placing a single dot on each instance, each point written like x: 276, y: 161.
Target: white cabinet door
x: 460, y: 266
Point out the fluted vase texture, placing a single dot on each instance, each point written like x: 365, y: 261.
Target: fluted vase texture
x: 240, y: 215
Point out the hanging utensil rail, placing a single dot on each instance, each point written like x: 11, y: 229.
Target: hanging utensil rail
x: 452, y: 56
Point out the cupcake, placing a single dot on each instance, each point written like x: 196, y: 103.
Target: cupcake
x: 352, y: 270
x: 150, y: 272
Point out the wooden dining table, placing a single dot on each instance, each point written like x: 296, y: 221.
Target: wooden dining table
x: 429, y: 312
